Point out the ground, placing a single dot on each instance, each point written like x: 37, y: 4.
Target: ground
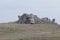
x: 14, y: 31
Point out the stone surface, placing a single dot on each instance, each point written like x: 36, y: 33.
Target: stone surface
x: 33, y: 19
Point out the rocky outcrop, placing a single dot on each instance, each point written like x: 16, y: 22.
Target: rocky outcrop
x: 33, y: 19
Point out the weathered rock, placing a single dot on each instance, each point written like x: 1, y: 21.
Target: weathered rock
x: 53, y: 20
x: 33, y: 19
x: 46, y: 20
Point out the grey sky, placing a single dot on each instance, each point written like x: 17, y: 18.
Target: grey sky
x: 10, y: 9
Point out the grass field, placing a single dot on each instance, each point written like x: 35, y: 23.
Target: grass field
x: 13, y: 31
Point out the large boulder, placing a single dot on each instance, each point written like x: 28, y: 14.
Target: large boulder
x: 46, y: 20
x: 26, y: 18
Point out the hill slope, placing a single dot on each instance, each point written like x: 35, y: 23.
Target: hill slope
x: 12, y: 31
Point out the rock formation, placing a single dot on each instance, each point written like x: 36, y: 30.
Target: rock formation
x: 33, y: 19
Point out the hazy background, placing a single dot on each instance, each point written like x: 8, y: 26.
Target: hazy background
x: 10, y: 9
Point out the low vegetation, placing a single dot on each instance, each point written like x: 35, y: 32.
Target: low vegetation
x: 14, y: 31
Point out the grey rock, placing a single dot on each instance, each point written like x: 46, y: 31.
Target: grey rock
x: 53, y: 20
x: 33, y: 19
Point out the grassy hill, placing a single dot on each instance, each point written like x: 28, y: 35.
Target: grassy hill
x: 13, y: 31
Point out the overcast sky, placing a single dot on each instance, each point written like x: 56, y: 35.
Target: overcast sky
x: 10, y: 9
